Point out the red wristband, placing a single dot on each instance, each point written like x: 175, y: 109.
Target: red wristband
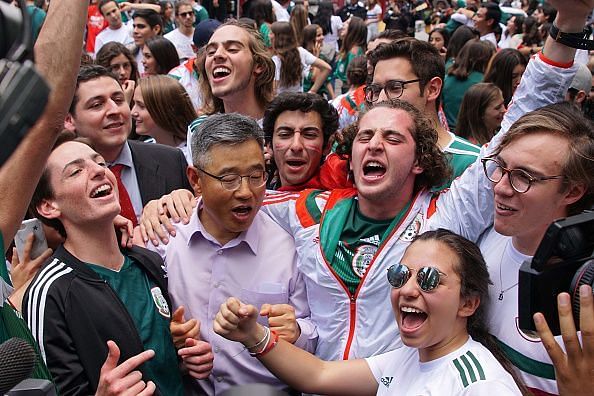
x: 271, y: 344
x: 564, y: 65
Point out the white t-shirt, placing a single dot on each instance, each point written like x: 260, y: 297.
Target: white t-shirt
x: 525, y: 351
x: 307, y: 59
x: 491, y: 38
x: 280, y: 12
x: 122, y: 35
x: 183, y: 44
x: 469, y: 370
x: 332, y: 36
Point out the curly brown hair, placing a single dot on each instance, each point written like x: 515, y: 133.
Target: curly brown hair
x: 436, y: 170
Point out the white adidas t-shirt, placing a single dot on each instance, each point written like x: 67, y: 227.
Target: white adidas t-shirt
x: 307, y: 59
x: 470, y: 370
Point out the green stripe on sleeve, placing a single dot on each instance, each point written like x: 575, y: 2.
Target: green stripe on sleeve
x: 469, y: 367
x: 462, y: 373
x: 477, y: 365
x: 526, y: 364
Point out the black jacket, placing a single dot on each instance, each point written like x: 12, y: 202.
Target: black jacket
x: 72, y: 313
x: 159, y: 169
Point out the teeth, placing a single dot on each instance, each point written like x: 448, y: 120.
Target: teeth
x: 503, y: 207
x: 220, y: 70
x: 375, y: 164
x: 411, y: 309
x: 101, y: 189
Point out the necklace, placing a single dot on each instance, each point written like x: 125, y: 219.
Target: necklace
x: 502, y: 291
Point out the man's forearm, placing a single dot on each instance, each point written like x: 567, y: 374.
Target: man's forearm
x: 57, y: 51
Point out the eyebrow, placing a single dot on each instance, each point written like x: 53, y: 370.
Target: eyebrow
x: 79, y: 161
x: 527, y: 169
x: 235, y: 171
x: 225, y: 44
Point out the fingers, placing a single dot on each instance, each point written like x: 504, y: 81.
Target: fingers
x: 15, y: 258
x: 166, y: 201
x: 587, y: 321
x: 149, y: 390
x: 548, y: 340
x: 568, y: 332
x: 113, y: 355
x: 184, y: 205
x: 265, y: 309
x: 178, y: 315
x: 197, y: 357
x: 28, y: 247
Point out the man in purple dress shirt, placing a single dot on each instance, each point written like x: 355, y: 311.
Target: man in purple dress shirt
x: 231, y: 248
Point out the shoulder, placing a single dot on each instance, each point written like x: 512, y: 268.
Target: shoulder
x: 53, y: 277
x: 474, y: 367
x: 196, y: 123
x: 153, y: 149
x: 462, y: 146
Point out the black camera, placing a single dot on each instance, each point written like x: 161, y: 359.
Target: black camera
x: 563, y: 262
x: 23, y: 92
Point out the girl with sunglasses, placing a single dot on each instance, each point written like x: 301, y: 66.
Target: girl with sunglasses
x: 439, y: 294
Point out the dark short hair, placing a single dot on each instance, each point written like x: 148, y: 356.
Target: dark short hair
x: 88, y: 73
x: 300, y: 101
x: 549, y: 11
x: 151, y: 17
x: 103, y: 2
x: 425, y: 59
x: 493, y: 12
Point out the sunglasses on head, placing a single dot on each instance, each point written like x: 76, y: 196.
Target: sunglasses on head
x: 428, y: 278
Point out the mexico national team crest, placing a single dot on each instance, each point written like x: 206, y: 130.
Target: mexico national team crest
x: 362, y: 258
x: 413, y: 229
x: 160, y: 302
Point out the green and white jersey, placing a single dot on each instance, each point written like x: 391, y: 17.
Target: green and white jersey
x: 469, y: 370
x: 460, y: 154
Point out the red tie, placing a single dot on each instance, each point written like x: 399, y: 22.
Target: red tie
x: 127, y: 210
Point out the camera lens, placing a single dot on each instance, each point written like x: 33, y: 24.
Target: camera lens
x: 583, y: 276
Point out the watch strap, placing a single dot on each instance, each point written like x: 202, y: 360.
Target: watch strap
x: 573, y: 40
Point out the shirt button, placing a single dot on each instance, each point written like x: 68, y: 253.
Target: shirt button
x: 220, y: 379
x: 219, y: 252
x: 216, y: 285
x: 217, y: 349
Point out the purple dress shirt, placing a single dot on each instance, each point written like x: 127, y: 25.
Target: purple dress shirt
x: 258, y: 267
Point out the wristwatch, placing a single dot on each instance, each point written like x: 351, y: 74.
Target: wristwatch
x: 573, y: 40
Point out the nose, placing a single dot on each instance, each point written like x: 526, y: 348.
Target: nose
x: 503, y: 187
x: 376, y: 142
x: 297, y: 142
x: 411, y: 288
x: 112, y: 107
x: 382, y: 95
x: 244, y: 191
x: 97, y: 171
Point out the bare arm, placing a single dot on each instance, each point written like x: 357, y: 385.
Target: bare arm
x: 57, y: 50
x: 296, y: 367
x: 322, y: 73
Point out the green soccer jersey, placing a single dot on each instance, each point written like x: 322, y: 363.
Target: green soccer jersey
x: 145, y: 303
x: 359, y: 240
x: 460, y: 154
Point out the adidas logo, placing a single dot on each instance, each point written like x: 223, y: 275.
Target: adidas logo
x: 387, y: 381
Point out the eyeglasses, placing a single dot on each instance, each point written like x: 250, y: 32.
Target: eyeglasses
x: 233, y: 181
x: 393, y: 89
x: 519, y: 179
x: 185, y: 14
x: 428, y: 278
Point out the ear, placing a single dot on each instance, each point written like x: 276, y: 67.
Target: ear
x: 257, y: 69
x: 580, y: 97
x: 157, y: 29
x: 574, y: 193
x: 194, y: 179
x: 432, y: 90
x: 468, y: 306
x: 48, y: 209
x: 69, y: 123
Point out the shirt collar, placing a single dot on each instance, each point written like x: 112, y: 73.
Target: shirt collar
x: 251, y: 237
x: 125, y: 157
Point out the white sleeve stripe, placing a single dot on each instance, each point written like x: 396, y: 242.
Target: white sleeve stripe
x: 52, y: 267
x: 40, y: 290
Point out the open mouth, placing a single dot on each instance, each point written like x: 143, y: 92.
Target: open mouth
x: 412, y: 318
x: 220, y: 72
x: 374, y: 169
x: 295, y: 163
x: 114, y: 125
x: 505, y: 208
x: 101, y: 191
x: 242, y: 211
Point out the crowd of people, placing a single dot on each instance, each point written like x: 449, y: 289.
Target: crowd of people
x: 238, y: 198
